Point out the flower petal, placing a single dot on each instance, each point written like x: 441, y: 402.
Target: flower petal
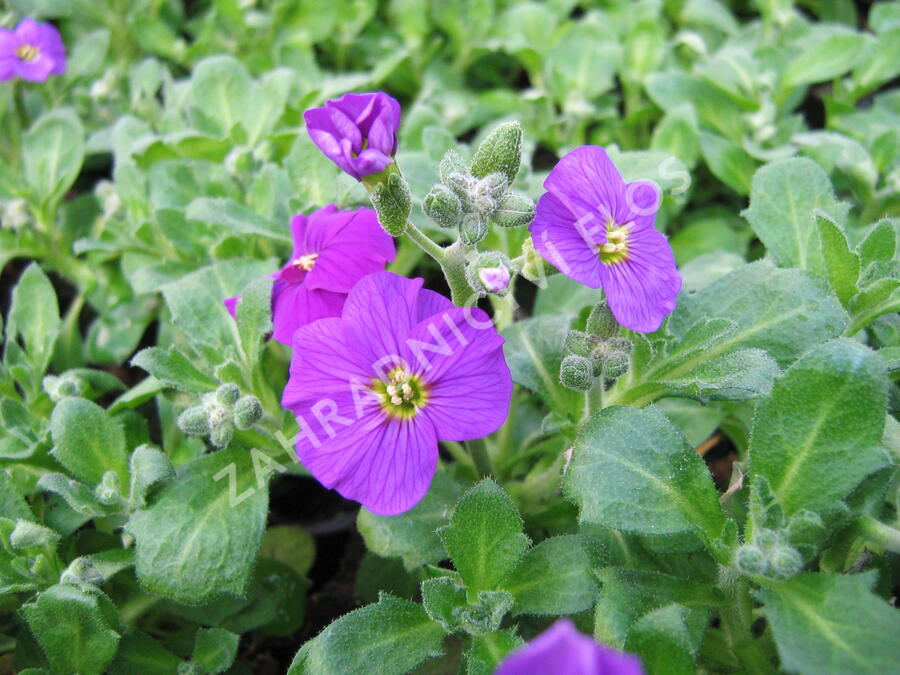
x: 567, y: 243
x: 295, y: 305
x: 641, y: 290
x: 585, y: 181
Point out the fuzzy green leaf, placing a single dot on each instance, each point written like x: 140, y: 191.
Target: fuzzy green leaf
x: 87, y: 441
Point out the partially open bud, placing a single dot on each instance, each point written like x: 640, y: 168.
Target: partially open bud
x: 228, y: 394
x: 785, y: 561
x: 489, y: 272
x: 601, y: 321
x: 473, y: 229
x: 64, y: 386
x: 392, y: 201
x: 576, y: 372
x: 500, y: 152
x: 751, y: 560
x: 194, y: 421
x: 514, y: 210
x: 443, y: 206
x: 247, y: 412
x: 109, y: 491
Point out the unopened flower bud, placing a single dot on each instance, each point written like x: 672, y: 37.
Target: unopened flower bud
x: 785, y: 561
x: 579, y: 342
x: 500, y: 152
x: 514, y: 210
x: 217, y: 416
x: 64, y: 386
x: 494, y: 279
x: 13, y: 213
x: 109, y: 491
x: 576, y: 372
x: 228, y: 394
x: 616, y: 364
x: 751, y: 560
x: 393, y: 203
x: 26, y: 534
x: 443, y: 206
x: 247, y: 412
x: 473, y: 229
x: 221, y: 436
x: 765, y: 539
x: 601, y: 321
x: 194, y: 421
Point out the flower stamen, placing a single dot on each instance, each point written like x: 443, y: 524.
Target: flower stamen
x: 403, y: 395
x: 615, y: 250
x: 28, y: 52
x: 306, y: 262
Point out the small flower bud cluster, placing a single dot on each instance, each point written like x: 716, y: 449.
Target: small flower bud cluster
x: 63, y: 386
x: 595, y: 352
x: 470, y: 197
x: 219, y: 413
x: 769, y: 555
x: 109, y: 491
x: 489, y: 272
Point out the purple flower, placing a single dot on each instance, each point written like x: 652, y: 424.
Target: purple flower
x: 358, y: 132
x: 33, y: 51
x: 562, y: 649
x: 333, y: 249
x: 376, y: 389
x: 598, y: 230
x: 495, y: 279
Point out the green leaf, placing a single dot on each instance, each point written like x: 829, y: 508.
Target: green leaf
x: 877, y: 299
x: 841, y: 264
x: 489, y: 649
x: 832, y: 623
x: 215, y: 649
x: 534, y: 349
x: 87, y: 441
x: 728, y: 162
x: 73, y: 629
x: 555, y: 577
x: 35, y: 315
x: 219, y: 95
x: 412, y: 535
x: 234, y: 218
x: 173, y: 368
x: 292, y: 545
x: 826, y: 54
x: 628, y: 595
x: 667, y: 639
x: 784, y: 201
x: 390, y: 637
x: 484, y: 538
x: 443, y: 599
x: 784, y: 312
x: 677, y: 134
x: 148, y: 466
x: 880, y: 243
x: 826, y: 412
x: 254, y: 318
x: 623, y: 457
x: 77, y: 495
x: 196, y: 300
x: 140, y: 653
x: 214, y: 504
x: 12, y: 503
x: 54, y: 151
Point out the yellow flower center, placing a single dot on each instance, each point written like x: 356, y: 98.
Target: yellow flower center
x: 28, y: 52
x: 306, y: 262
x: 615, y: 250
x: 403, y: 395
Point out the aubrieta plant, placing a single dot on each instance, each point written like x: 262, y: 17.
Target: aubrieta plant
x: 478, y: 337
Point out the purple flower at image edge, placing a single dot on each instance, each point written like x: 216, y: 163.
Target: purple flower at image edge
x: 563, y: 649
x: 358, y: 132
x: 333, y: 249
x: 376, y: 389
x: 598, y: 230
x: 33, y: 51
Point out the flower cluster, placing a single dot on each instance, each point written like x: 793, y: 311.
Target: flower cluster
x: 32, y: 51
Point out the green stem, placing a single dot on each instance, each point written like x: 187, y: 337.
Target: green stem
x: 480, y: 457
x: 454, y: 268
x: 736, y: 619
x: 425, y: 242
x: 879, y: 534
